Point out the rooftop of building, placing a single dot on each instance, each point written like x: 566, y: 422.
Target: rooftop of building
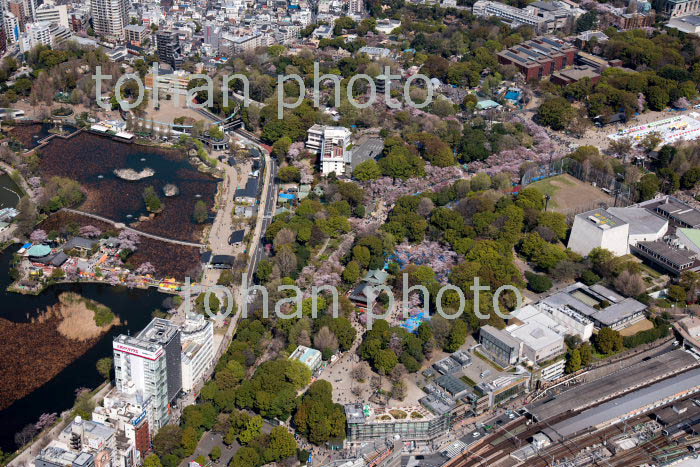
x: 693, y: 20
x: 627, y: 404
x: 140, y: 28
x: 79, y: 242
x: 623, y: 380
x: 693, y: 235
x: 535, y: 335
x: 588, y: 35
x: 641, y: 220
x: 250, y: 190
x: 159, y: 331
x: 451, y: 384
x: 679, y: 211
x: 678, y: 257
x: 578, y: 73
x: 602, y: 219
x: 305, y: 355
x: 57, y: 455
x: 534, y: 50
x: 591, y: 302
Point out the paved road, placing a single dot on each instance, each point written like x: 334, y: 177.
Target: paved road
x: 144, y: 234
x: 270, y: 204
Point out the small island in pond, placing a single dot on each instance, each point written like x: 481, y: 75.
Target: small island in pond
x: 133, y: 175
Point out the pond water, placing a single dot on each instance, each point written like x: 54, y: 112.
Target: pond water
x: 9, y: 192
x: 31, y: 135
x: 133, y: 307
x: 92, y: 159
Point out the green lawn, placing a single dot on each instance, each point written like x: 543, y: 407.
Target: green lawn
x: 546, y: 187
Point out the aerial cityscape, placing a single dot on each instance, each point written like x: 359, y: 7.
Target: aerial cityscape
x: 347, y: 233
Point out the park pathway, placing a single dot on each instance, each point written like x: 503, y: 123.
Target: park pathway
x: 120, y: 225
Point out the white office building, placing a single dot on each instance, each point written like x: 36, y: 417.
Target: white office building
x: 55, y: 14
x: 132, y: 418
x: 509, y: 14
x: 150, y: 364
x: 109, y: 18
x: 615, y: 229
x: 331, y: 142
x: 36, y: 34
x: 197, y: 350
x: 599, y: 228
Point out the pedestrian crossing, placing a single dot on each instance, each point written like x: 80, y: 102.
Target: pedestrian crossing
x: 455, y: 449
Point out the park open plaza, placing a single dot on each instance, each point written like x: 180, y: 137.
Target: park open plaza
x: 670, y: 130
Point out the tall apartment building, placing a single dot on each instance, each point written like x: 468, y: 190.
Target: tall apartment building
x: 135, y: 34
x: 109, y: 18
x: 3, y: 30
x: 169, y: 50
x: 55, y: 14
x: 29, y: 10
x: 355, y: 7
x: 331, y: 142
x: 12, y: 27
x: 16, y: 7
x: 197, y: 350
x: 151, y: 362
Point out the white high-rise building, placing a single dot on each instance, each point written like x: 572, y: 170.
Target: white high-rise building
x: 29, y: 9
x: 332, y: 143
x: 355, y: 7
x: 197, y: 350
x: 150, y: 363
x: 109, y: 17
x: 12, y: 28
x: 36, y: 34
x: 55, y: 14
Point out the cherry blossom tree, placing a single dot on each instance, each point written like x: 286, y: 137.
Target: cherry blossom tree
x: 433, y: 254
x: 296, y: 151
x: 112, y: 278
x: 45, y: 420
x: 38, y: 236
x: 90, y: 231
x: 144, y: 269
x: 129, y: 240
x: 326, y: 272
x: 436, y: 179
x: 641, y: 102
x: 681, y: 103
x: 34, y: 183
